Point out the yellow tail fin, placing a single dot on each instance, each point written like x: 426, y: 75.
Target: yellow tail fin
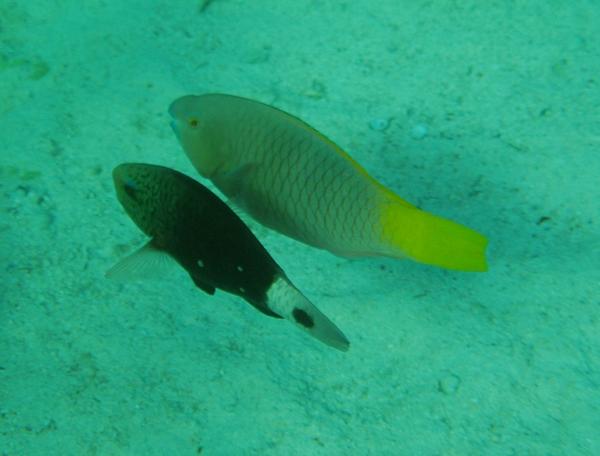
x: 429, y: 239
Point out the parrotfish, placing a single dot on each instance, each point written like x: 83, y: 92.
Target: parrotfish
x: 191, y: 225
x: 293, y: 179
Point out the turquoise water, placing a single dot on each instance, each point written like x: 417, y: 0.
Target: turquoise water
x: 487, y: 113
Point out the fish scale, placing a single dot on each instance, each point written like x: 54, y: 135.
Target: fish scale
x: 306, y: 195
x: 291, y: 178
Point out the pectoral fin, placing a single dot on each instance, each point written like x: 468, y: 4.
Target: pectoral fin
x: 231, y: 182
x: 146, y: 262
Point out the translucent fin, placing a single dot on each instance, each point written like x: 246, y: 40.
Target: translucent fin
x: 285, y: 300
x: 148, y: 262
x: 427, y: 238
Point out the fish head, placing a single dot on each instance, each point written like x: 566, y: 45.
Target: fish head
x: 139, y: 188
x: 193, y: 123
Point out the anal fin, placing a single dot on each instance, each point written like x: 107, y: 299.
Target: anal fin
x: 207, y: 288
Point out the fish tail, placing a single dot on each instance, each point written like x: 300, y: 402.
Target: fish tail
x: 410, y: 232
x: 286, y: 300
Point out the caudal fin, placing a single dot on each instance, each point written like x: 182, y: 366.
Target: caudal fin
x: 285, y: 299
x: 427, y: 238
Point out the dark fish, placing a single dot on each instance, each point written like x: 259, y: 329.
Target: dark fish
x: 190, y: 224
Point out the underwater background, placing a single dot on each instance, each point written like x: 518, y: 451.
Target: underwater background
x: 487, y: 113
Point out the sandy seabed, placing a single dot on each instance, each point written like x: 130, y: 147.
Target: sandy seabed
x: 487, y: 113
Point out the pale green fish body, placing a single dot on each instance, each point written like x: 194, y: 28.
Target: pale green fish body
x: 293, y: 179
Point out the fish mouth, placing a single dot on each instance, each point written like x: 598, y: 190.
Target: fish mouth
x: 173, y: 125
x: 118, y: 174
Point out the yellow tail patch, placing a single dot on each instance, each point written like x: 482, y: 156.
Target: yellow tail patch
x: 427, y: 238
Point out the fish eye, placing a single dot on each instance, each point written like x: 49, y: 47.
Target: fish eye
x: 193, y: 122
x: 130, y: 189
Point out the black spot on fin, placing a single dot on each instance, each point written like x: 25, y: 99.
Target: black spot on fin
x: 207, y: 288
x: 303, y: 318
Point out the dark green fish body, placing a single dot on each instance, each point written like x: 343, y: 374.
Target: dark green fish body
x: 202, y: 234
x: 187, y: 222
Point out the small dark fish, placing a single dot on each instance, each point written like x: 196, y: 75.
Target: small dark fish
x: 190, y: 224
x: 291, y: 178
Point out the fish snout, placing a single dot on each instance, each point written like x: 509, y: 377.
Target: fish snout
x: 119, y: 172
x: 175, y: 129
x: 183, y: 106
